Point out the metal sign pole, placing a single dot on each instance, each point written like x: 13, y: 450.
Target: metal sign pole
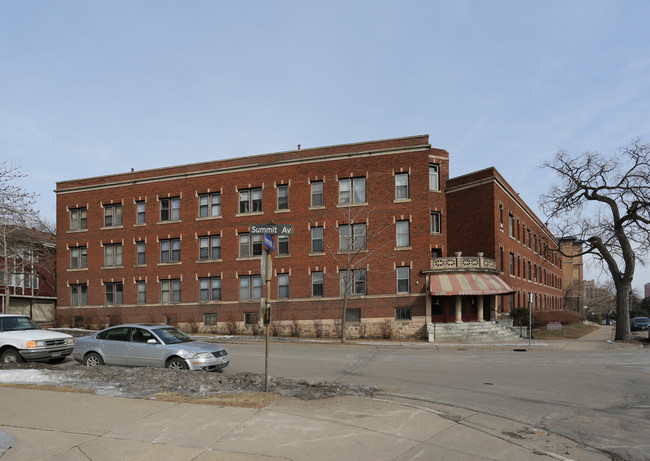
x: 530, y: 318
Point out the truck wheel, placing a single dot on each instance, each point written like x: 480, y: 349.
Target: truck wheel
x: 12, y: 356
x: 93, y: 360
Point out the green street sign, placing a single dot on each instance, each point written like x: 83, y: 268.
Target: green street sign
x: 271, y: 229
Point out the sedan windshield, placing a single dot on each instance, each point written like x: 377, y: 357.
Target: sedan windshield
x: 172, y: 335
x: 17, y: 324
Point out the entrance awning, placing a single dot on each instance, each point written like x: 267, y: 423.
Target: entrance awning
x: 467, y: 284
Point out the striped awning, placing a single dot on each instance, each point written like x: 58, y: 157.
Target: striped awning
x: 467, y: 284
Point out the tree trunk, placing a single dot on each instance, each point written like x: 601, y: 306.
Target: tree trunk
x: 623, y: 331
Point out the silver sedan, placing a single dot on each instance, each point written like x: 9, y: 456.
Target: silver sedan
x: 149, y: 345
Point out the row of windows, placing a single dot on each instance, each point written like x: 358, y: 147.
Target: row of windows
x: 531, y: 272
x: 352, y: 237
x: 352, y: 282
x: 520, y: 233
x: 351, y: 191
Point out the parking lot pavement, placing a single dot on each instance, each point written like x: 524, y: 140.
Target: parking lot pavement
x: 50, y: 425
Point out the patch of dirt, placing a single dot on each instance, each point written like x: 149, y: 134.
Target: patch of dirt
x: 241, y: 389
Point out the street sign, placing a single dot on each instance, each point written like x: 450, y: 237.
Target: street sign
x: 269, y: 243
x: 271, y: 229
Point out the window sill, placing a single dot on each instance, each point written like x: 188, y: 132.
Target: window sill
x: 317, y: 207
x: 284, y: 210
x: 203, y: 261
x: 248, y: 258
x: 402, y: 200
x: 343, y: 252
x: 140, y: 224
x: 170, y: 221
x: 113, y: 267
x: 207, y: 218
x: 277, y: 256
x: 346, y: 205
x: 77, y: 269
x: 438, y: 234
x: 320, y: 253
x: 403, y: 248
x: 76, y: 231
x: 140, y: 265
x: 111, y: 227
x: 252, y: 213
x: 171, y: 263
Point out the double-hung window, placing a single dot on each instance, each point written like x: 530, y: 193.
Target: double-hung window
x: 140, y: 208
x: 112, y: 254
x: 170, y: 209
x: 170, y: 250
x: 402, y: 237
x: 317, y: 284
x: 141, y: 288
x: 78, y: 257
x: 403, y: 279
x: 113, y: 292
x: 283, y: 285
x: 250, y: 245
x: 210, y: 205
x: 210, y: 289
x: 78, y: 219
x: 140, y: 253
x: 436, y: 223
x: 352, y: 237
x: 170, y: 291
x: 434, y: 176
x: 283, y: 197
x: 283, y: 245
x: 250, y: 287
x: 401, y: 186
x: 317, y: 193
x: 352, y: 191
x: 317, y: 240
x: 79, y: 294
x: 353, y: 282
x: 250, y: 200
x: 210, y: 247
x: 113, y: 215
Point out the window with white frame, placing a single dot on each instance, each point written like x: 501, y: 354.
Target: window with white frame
x: 141, y: 258
x: 209, y: 247
x: 353, y: 282
x: 402, y: 237
x: 436, y: 222
x: 141, y: 288
x: 403, y: 279
x: 434, y: 176
x: 209, y: 205
x: 317, y: 284
x: 250, y: 245
x: 250, y: 287
x: 170, y: 209
x: 352, y: 191
x: 113, y: 215
x: 170, y: 291
x: 317, y: 240
x: 78, y: 219
x: 401, y: 186
x: 352, y: 237
x: 250, y: 200
x: 170, y: 250
x: 210, y: 288
x: 140, y: 207
x: 112, y: 254
x: 317, y: 193
x: 78, y: 257
x: 283, y: 245
x: 113, y: 292
x: 283, y: 286
x: 79, y: 294
x: 283, y: 197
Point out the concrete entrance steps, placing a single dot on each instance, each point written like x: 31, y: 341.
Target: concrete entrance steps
x: 471, y: 332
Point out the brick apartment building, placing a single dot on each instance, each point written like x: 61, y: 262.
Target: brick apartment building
x: 174, y: 244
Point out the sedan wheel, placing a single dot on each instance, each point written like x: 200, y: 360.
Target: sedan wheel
x: 12, y: 356
x: 93, y: 359
x: 177, y: 364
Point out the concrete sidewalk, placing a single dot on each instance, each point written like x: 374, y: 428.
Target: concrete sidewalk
x: 50, y: 425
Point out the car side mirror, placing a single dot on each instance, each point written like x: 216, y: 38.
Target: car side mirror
x: 152, y: 341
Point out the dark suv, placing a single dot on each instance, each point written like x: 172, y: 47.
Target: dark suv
x: 640, y: 323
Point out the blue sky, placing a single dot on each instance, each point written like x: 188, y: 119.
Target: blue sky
x: 92, y: 88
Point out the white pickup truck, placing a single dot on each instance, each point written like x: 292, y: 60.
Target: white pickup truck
x: 21, y: 339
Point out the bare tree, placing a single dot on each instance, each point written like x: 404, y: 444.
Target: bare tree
x: 360, y: 240
x: 605, y: 201
x: 16, y: 213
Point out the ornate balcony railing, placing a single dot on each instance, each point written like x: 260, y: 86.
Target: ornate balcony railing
x: 459, y: 262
